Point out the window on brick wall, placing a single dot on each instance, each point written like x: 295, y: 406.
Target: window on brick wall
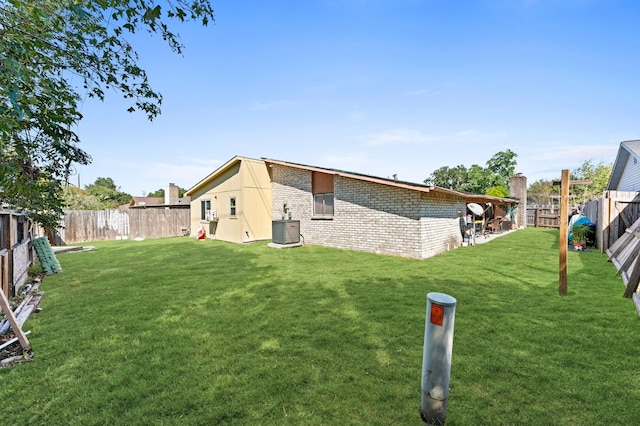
x: 322, y: 188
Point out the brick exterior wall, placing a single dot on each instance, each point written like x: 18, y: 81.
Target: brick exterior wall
x: 370, y: 217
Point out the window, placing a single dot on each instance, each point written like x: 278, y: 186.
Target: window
x: 232, y: 204
x: 205, y: 210
x: 322, y: 186
x: 323, y: 204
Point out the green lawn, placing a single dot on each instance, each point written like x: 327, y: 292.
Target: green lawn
x: 179, y: 331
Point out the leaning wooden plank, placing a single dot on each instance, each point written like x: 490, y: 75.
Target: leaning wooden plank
x: 626, y: 274
x: 636, y: 301
x: 25, y: 314
x: 631, y: 278
x: 621, y: 242
x: 9, y: 342
x: 619, y: 245
x: 631, y: 253
x: 4, y: 306
x: 4, y: 325
x: 623, y: 255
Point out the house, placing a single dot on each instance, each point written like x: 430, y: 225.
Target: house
x: 234, y: 202
x: 142, y: 202
x: 620, y: 212
x: 619, y: 207
x: 171, y: 200
x: 360, y: 212
x: 241, y: 200
x: 625, y: 175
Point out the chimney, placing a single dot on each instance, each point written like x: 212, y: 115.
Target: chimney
x: 395, y: 177
x: 518, y: 190
x: 171, y: 194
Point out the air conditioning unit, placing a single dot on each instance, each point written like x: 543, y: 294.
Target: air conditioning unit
x: 285, y: 231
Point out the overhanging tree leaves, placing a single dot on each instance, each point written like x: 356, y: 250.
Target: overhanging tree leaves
x: 51, y: 53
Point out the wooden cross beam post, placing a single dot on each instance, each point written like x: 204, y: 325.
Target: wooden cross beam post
x: 4, y: 307
x: 564, y: 227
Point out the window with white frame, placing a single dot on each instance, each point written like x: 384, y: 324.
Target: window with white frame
x: 205, y: 210
x: 232, y: 204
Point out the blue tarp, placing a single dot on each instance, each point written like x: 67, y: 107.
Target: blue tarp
x: 578, y: 219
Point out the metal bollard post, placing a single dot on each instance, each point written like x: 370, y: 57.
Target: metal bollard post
x: 436, y: 359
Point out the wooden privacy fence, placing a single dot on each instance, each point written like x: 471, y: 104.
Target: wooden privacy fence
x: 16, y: 255
x: 93, y: 225
x: 618, y: 210
x: 543, y: 216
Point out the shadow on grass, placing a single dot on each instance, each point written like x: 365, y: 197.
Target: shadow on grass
x: 178, y: 331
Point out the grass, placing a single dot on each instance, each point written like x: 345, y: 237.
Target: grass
x: 178, y: 331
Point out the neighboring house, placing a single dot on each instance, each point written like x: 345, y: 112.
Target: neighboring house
x: 625, y: 175
x: 143, y: 202
x: 234, y: 202
x: 171, y: 200
x: 619, y: 207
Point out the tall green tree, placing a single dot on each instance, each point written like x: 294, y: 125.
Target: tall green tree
x: 542, y: 192
x: 503, y: 166
x: 160, y: 192
x: 106, y: 191
x: 480, y: 180
x: 449, y: 177
x: 598, y: 173
x: 492, y: 179
x: 52, y: 53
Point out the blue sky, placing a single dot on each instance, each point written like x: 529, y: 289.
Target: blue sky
x: 380, y: 87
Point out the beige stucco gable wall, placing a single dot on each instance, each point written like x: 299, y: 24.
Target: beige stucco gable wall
x: 247, y: 181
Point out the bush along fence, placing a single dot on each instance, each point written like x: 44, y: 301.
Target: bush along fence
x: 93, y: 225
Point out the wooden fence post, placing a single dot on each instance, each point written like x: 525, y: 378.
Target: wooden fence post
x: 564, y: 234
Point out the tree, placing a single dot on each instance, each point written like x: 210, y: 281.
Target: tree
x: 80, y: 199
x: 541, y: 192
x: 160, y: 192
x: 448, y: 177
x: 503, y: 166
x: 477, y: 179
x: 51, y: 53
x: 107, y: 193
x: 599, y: 174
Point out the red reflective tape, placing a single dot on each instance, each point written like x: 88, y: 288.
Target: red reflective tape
x: 437, y: 314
